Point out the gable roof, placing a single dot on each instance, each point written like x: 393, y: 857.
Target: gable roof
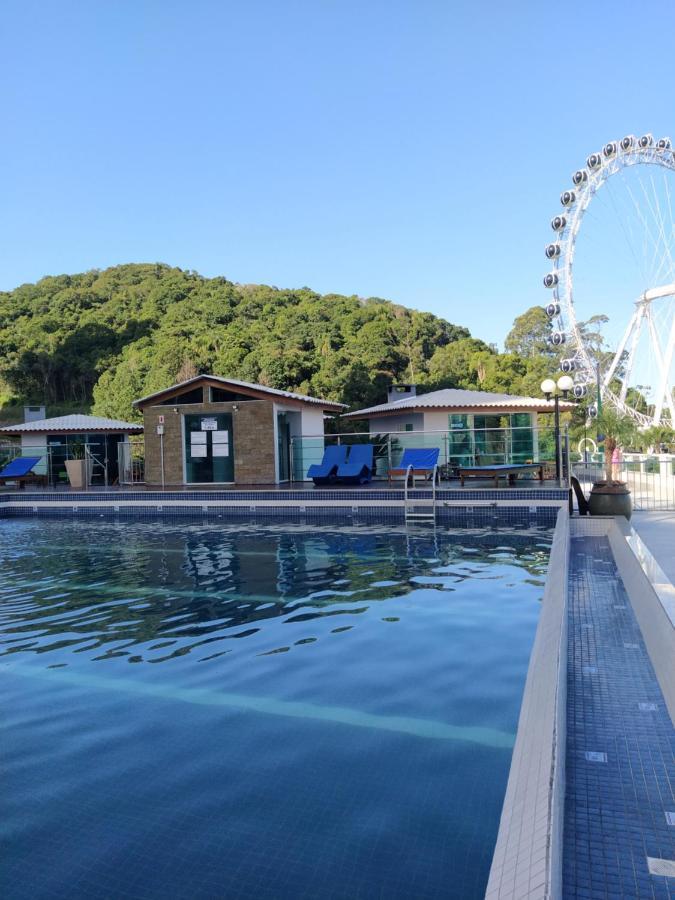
x: 243, y: 385
x: 452, y: 399
x: 74, y: 424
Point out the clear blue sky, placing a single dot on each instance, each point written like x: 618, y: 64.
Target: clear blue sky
x: 408, y: 150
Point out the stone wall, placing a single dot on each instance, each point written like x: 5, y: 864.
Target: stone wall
x: 252, y: 433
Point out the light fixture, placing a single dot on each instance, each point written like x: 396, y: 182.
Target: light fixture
x: 549, y: 388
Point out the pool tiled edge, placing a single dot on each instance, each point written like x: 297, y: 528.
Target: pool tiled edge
x: 527, y: 861
x: 618, y: 839
x: 460, y: 508
x: 561, y: 835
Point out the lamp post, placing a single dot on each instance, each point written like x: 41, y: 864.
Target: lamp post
x: 551, y: 388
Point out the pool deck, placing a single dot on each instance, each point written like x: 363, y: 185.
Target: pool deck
x: 620, y: 759
x: 657, y: 530
x: 589, y: 810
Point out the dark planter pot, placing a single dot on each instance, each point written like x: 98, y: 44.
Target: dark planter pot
x: 610, y: 500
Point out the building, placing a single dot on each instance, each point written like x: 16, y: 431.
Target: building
x: 213, y: 430
x: 469, y: 427
x: 104, y: 441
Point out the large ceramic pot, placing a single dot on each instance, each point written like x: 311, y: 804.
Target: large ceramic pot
x: 77, y: 472
x: 610, y: 499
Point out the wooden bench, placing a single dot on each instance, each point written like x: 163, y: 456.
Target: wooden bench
x: 510, y: 472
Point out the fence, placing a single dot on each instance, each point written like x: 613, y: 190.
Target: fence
x: 458, y: 448
x: 650, y: 477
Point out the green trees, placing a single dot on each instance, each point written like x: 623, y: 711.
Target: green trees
x: 529, y: 335
x: 108, y: 337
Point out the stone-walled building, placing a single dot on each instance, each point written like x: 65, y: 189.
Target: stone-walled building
x: 213, y: 430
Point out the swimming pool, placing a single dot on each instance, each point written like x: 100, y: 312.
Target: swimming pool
x: 256, y: 710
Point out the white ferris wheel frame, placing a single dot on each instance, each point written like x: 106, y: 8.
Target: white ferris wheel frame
x: 563, y: 292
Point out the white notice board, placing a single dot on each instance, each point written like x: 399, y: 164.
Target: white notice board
x: 220, y: 450
x: 197, y: 437
x: 198, y: 450
x: 220, y: 437
x: 209, y: 424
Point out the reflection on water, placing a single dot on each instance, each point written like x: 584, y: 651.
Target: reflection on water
x: 252, y: 711
x: 133, y: 591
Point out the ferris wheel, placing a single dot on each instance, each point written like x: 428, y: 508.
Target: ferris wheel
x: 636, y: 238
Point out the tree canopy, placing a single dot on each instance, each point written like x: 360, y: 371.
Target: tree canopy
x: 102, y: 339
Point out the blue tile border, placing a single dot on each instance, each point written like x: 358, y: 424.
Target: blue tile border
x: 620, y: 757
x: 460, y: 517
x: 282, y: 496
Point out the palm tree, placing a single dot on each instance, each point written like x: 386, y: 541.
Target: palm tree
x: 620, y: 431
x: 656, y: 436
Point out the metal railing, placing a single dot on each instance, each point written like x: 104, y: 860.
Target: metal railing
x: 650, y: 477
x: 457, y: 448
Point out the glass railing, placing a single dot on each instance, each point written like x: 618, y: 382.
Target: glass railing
x: 123, y: 466
x: 458, y: 448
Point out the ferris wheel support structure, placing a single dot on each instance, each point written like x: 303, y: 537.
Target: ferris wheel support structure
x: 600, y: 167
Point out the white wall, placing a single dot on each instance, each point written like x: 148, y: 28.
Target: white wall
x: 381, y: 425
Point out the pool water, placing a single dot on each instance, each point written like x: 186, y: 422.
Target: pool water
x: 258, y: 711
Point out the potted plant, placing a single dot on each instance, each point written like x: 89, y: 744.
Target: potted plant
x: 76, y: 466
x: 612, y: 497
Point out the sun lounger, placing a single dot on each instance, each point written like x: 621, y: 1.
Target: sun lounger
x: 359, y: 466
x: 21, y: 471
x: 325, y: 471
x: 417, y: 462
x: 510, y: 472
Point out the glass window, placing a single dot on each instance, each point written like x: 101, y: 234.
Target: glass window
x: 460, y: 441
x: 194, y: 396
x: 219, y: 395
x: 491, y: 440
x: 522, y: 438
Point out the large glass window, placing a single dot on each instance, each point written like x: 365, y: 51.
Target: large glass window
x: 209, y: 450
x: 460, y: 442
x: 522, y: 438
x: 491, y: 440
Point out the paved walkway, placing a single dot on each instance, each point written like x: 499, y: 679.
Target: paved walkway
x: 657, y: 530
x: 619, y: 838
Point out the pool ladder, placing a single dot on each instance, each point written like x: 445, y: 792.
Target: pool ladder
x: 421, y: 508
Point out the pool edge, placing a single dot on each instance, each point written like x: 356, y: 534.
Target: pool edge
x: 527, y: 860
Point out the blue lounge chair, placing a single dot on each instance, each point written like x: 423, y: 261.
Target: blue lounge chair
x: 422, y: 462
x: 359, y: 467
x: 21, y: 470
x: 324, y: 472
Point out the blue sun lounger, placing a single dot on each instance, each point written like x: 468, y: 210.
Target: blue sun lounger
x: 21, y: 469
x: 359, y: 466
x: 421, y: 462
x: 324, y: 472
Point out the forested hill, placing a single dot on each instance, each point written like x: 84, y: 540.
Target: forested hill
x: 104, y: 338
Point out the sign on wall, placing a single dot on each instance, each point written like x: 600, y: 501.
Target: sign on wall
x: 209, y: 424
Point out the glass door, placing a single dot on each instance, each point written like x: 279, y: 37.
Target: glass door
x: 209, y: 451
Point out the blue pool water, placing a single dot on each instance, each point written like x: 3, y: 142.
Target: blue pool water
x: 258, y: 711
